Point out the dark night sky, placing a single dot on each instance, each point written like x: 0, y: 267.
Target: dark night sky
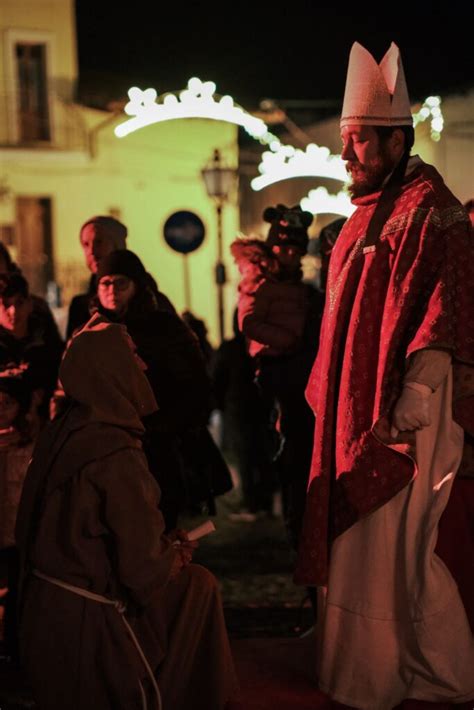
x: 298, y: 52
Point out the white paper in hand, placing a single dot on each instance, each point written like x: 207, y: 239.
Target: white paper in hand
x: 201, y: 530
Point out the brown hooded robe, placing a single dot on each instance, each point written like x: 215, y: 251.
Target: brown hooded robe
x: 89, y: 516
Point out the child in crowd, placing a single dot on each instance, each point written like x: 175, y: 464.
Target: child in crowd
x: 273, y: 301
x: 280, y: 317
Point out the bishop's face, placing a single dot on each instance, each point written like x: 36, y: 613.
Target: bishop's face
x: 369, y: 158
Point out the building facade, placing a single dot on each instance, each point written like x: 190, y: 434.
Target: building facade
x: 61, y: 163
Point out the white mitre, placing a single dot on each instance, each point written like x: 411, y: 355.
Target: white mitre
x: 376, y: 94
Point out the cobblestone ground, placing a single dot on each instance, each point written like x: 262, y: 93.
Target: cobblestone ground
x: 253, y: 563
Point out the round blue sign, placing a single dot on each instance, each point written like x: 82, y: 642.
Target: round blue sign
x: 184, y: 232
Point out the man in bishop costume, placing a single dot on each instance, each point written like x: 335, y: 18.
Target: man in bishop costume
x: 392, y: 390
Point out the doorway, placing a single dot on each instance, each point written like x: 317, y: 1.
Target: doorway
x: 34, y: 241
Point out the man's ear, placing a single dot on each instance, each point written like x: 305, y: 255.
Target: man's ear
x: 397, y: 141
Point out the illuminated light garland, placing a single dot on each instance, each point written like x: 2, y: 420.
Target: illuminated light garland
x: 197, y: 101
x: 282, y: 162
x: 289, y: 162
x: 431, y: 109
x: 285, y: 162
x: 320, y: 201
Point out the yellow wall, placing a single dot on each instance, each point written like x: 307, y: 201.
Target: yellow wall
x: 143, y: 179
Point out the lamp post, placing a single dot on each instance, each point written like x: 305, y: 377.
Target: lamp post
x: 219, y: 181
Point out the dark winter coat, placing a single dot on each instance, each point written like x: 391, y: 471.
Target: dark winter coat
x: 179, y: 448
x: 40, y: 351
x: 272, y: 309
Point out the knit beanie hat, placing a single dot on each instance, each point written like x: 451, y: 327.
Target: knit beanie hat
x: 125, y: 263
x: 13, y: 284
x: 289, y: 226
x: 115, y: 231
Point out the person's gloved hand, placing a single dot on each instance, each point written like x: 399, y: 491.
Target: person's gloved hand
x: 412, y: 410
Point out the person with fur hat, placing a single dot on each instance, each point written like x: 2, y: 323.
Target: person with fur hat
x: 273, y: 301
x: 112, y: 612
x: 288, y: 228
x: 280, y: 315
x: 392, y: 390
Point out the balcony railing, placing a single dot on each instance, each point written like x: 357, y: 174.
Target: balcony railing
x: 65, y: 126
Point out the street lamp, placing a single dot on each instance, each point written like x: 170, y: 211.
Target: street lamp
x: 219, y: 181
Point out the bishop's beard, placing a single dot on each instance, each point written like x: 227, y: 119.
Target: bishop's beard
x: 369, y: 178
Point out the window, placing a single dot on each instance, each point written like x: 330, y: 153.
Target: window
x: 33, y: 113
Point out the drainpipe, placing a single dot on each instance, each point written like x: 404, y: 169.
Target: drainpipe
x: 94, y: 132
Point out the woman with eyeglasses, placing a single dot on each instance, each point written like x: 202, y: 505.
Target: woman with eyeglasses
x: 175, y: 369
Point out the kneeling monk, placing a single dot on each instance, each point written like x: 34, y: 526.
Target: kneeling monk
x: 112, y: 615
